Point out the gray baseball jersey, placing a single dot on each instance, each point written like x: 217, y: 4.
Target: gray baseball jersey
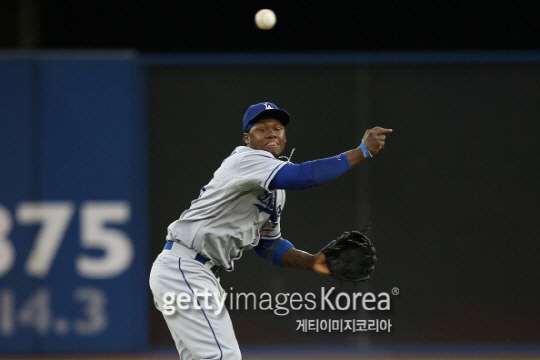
x: 235, y: 210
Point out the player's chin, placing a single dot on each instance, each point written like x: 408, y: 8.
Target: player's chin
x: 276, y: 151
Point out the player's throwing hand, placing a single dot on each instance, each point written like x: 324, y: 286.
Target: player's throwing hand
x: 374, y: 139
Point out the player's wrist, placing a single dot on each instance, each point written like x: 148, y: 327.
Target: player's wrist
x: 365, y: 150
x: 298, y: 259
x: 319, y: 264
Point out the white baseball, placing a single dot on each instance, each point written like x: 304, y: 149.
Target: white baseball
x: 265, y: 19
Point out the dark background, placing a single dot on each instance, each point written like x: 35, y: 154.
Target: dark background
x: 218, y: 25
x: 453, y: 199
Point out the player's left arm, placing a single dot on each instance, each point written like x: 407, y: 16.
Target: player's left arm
x: 282, y: 252
x: 299, y: 259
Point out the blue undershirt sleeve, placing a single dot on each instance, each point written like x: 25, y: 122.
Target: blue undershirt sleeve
x: 311, y: 173
x: 276, y: 250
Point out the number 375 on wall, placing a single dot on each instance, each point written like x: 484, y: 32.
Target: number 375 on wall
x: 96, y: 219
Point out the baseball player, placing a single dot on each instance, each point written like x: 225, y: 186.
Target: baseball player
x: 238, y: 210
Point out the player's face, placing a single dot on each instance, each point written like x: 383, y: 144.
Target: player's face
x: 267, y: 134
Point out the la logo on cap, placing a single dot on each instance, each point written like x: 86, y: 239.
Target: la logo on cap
x: 256, y: 112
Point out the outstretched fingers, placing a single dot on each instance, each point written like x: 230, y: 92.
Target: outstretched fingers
x: 375, y: 138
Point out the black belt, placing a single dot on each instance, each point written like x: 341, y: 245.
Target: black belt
x: 215, y: 269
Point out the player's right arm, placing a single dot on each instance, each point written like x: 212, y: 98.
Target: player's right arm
x: 317, y: 172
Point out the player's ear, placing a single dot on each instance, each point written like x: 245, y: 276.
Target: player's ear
x: 245, y: 139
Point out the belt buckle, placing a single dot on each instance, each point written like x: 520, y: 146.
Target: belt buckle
x: 216, y: 269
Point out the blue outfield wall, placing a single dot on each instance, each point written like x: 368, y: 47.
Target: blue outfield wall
x: 73, y: 213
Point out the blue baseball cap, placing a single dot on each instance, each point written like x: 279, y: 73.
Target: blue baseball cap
x: 264, y: 110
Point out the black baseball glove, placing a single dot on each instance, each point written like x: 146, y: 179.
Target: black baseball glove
x: 351, y: 257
